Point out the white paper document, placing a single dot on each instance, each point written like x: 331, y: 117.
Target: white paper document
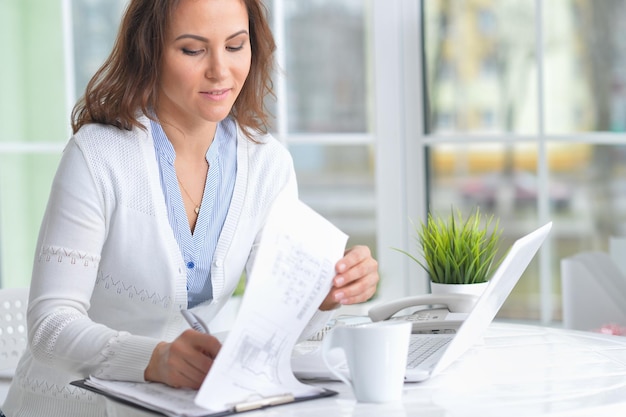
x: 291, y: 275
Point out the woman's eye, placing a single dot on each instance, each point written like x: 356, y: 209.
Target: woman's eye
x: 191, y: 52
x: 234, y: 48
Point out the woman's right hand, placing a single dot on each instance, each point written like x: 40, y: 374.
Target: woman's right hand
x: 185, y: 362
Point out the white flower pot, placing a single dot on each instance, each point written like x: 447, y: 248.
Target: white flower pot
x: 471, y: 289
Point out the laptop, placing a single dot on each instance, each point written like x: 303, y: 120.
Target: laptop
x: 440, y: 348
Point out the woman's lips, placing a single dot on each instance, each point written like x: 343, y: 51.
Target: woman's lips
x: 216, y: 95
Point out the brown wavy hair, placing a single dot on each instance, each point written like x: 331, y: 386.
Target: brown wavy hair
x: 126, y: 85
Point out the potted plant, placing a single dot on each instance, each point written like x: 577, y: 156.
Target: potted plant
x: 457, y: 252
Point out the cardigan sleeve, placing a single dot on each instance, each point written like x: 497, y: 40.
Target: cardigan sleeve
x: 71, y: 238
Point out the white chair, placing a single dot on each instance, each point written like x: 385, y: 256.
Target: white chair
x: 617, y: 250
x: 13, y: 336
x: 593, y: 291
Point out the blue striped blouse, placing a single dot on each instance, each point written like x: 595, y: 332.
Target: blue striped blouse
x: 198, y: 248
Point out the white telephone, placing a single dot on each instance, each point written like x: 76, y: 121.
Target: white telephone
x: 437, y: 313
x: 434, y: 314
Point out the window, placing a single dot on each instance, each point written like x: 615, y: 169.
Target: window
x: 555, y: 82
x: 389, y: 109
x: 94, y: 26
x: 323, y: 95
x: 33, y: 127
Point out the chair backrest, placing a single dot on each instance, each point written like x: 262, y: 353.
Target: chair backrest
x: 593, y: 290
x: 617, y: 250
x: 13, y: 336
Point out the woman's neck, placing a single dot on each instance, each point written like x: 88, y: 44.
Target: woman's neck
x: 190, y: 142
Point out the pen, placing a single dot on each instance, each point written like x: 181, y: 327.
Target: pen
x: 194, y: 321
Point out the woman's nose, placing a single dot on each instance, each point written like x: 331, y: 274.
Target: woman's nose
x: 216, y: 67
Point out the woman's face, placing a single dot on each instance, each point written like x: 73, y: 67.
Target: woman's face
x: 206, y: 60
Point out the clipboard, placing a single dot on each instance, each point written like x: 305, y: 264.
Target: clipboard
x: 238, y: 408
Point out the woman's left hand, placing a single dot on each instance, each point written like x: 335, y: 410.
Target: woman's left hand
x: 356, y: 279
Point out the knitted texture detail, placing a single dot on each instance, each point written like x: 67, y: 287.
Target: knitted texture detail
x: 74, y: 257
x: 118, y: 173
x: 57, y: 391
x: 45, y: 339
x: 271, y: 179
x: 118, y: 286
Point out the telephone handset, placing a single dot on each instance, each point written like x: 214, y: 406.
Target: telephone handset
x: 438, y: 313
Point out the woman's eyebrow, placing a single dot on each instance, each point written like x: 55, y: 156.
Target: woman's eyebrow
x: 190, y: 36
x: 234, y: 35
x: 205, y: 40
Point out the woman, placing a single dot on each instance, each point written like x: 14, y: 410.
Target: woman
x: 157, y: 205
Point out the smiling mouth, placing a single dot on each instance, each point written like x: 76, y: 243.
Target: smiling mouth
x: 216, y: 95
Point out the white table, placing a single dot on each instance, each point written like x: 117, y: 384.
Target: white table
x: 519, y: 370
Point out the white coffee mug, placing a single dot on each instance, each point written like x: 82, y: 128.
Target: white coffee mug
x: 376, y: 354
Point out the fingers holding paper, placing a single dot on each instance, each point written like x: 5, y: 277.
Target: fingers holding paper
x: 185, y: 362
x: 356, y: 279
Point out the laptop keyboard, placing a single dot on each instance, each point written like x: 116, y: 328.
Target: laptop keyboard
x: 422, y: 347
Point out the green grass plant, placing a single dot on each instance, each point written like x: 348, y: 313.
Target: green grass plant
x: 458, y: 251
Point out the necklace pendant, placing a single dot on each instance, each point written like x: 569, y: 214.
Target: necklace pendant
x: 197, y: 209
